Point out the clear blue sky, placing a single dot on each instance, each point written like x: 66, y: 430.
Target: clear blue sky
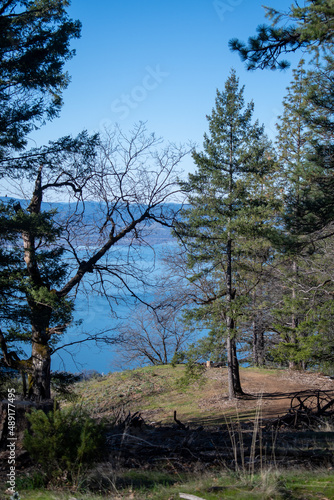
x: 161, y: 62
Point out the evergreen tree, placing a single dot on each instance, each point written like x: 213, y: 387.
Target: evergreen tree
x: 293, y: 146
x: 34, y: 45
x: 225, y: 227
x: 306, y: 149
x: 312, y: 28
x: 33, y: 265
x: 35, y: 38
x: 305, y: 321
x: 299, y: 139
x: 319, y: 116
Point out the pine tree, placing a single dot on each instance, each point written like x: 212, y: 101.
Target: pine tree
x: 34, y: 45
x: 293, y: 146
x: 35, y: 40
x: 225, y: 227
x: 319, y: 116
x: 311, y: 28
x: 301, y: 135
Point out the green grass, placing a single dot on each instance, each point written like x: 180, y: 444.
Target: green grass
x: 156, y: 389
x: 270, y: 485
x: 50, y: 495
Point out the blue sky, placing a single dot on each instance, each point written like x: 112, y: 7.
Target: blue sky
x: 161, y: 62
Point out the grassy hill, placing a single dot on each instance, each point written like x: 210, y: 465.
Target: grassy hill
x: 155, y: 392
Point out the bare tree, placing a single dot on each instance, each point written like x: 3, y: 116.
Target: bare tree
x: 131, y: 179
x: 152, y: 336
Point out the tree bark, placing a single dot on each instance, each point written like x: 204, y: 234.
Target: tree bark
x: 258, y: 342
x: 236, y: 372
x: 40, y: 377
x: 234, y: 386
x: 293, y: 365
x: 230, y: 378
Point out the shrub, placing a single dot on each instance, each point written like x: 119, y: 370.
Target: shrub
x: 62, y: 385
x: 9, y: 379
x: 64, y: 443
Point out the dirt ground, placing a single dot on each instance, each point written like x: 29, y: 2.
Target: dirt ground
x: 211, y: 438
x: 273, y: 392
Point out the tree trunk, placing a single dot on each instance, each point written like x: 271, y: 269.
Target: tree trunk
x: 24, y: 384
x: 40, y: 363
x: 258, y: 332
x: 255, y: 343
x: 258, y: 343
x: 230, y: 376
x: 236, y: 373
x: 40, y: 377
x: 293, y: 365
x: 234, y: 386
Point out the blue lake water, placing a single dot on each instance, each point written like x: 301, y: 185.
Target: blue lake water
x: 94, y: 312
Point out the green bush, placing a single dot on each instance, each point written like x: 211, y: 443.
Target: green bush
x: 62, y: 384
x: 207, y: 348
x: 31, y: 481
x: 9, y: 379
x: 64, y: 443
